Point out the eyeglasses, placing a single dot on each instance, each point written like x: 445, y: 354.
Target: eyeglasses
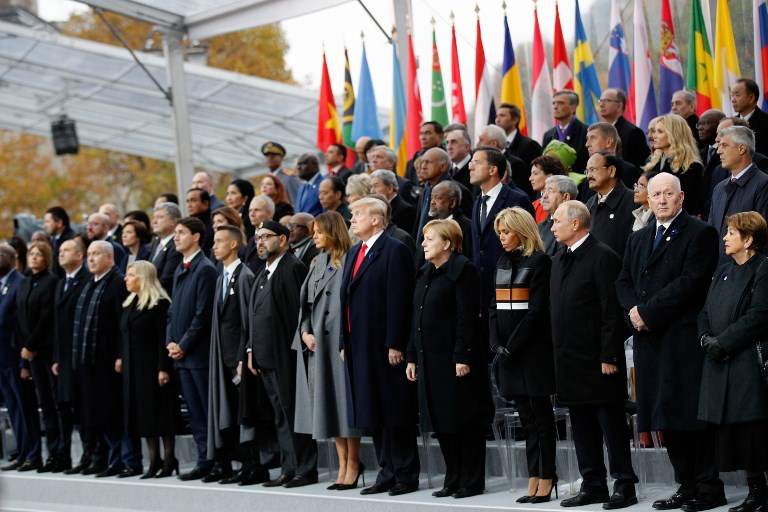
x: 594, y: 169
x: 265, y: 237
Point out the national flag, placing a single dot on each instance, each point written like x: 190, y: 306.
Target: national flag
x: 397, y: 115
x: 485, y: 109
x: 439, y: 109
x: 726, y: 59
x: 760, y: 23
x: 511, y: 85
x: 541, y: 85
x: 349, y: 104
x: 365, y: 121
x: 644, y: 94
x: 413, y: 97
x: 619, y: 70
x: 700, y: 73
x: 562, y: 75
x: 585, y: 82
x: 670, y: 67
x: 328, y: 127
x: 458, y: 113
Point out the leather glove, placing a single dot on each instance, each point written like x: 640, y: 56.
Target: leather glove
x: 713, y: 348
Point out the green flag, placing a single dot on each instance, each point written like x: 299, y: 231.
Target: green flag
x: 349, y: 105
x: 439, y: 109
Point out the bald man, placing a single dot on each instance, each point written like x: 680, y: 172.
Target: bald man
x: 204, y: 181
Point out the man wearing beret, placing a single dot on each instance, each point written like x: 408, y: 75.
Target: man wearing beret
x: 274, y: 153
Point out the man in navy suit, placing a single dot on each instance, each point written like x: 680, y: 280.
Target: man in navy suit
x: 189, y: 330
x: 56, y: 225
x: 376, y: 292
x: 163, y: 253
x: 485, y: 171
x: 18, y: 396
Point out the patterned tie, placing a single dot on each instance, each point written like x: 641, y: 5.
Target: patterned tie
x: 659, y: 236
x: 484, y: 210
x: 225, y: 287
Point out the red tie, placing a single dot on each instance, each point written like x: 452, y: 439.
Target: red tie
x: 359, y: 260
x: 187, y: 265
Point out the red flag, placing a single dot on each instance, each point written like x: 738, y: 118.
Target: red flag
x: 458, y: 113
x: 562, y: 75
x: 413, y: 99
x: 328, y: 127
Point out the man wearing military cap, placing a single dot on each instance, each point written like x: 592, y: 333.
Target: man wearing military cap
x: 274, y: 153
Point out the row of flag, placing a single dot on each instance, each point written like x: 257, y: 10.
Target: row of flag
x: 709, y: 74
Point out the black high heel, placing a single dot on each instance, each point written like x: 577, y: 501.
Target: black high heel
x: 548, y: 497
x: 154, y: 467
x: 360, y: 472
x: 168, y: 468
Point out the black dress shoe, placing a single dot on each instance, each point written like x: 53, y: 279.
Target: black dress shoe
x: 196, y: 474
x: 232, y: 479
x: 620, y: 500
x: 700, y: 503
x: 301, y: 481
x: 399, y: 489
x: 13, y: 466
x: 129, y: 472
x: 586, y: 498
x: 62, y: 464
x: 217, y: 473
x: 30, y: 465
x: 376, y: 489
x: 673, y: 502
x: 81, y: 466
x: 113, y: 471
x: 253, y: 476
x: 444, y: 492
x: 466, y: 493
x: 94, y: 469
x: 279, y: 481
x: 49, y: 466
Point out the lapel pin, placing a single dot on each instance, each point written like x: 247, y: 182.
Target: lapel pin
x: 669, y: 238
x: 611, y: 216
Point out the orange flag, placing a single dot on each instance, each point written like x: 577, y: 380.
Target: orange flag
x: 328, y: 126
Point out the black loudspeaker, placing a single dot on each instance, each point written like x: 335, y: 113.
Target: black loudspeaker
x: 64, y: 134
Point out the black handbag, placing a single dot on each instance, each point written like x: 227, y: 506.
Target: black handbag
x: 761, y: 348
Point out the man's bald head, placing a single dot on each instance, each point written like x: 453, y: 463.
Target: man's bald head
x: 113, y: 215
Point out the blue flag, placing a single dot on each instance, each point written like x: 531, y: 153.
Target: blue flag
x: 365, y: 121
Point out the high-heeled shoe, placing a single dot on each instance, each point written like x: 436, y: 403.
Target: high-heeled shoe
x: 154, y: 467
x: 168, y: 468
x: 360, y: 472
x: 548, y: 497
x: 334, y: 486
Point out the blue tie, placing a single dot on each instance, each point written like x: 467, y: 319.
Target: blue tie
x: 68, y: 283
x: 226, y: 286
x: 659, y: 236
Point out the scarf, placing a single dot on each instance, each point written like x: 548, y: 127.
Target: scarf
x: 86, y: 330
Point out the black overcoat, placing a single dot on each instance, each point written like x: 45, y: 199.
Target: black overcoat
x: 520, y: 322
x: 444, y: 333
x: 669, y: 286
x: 612, y: 219
x: 376, y: 303
x: 587, y: 327
x: 64, y: 320
x: 35, y: 301
x: 736, y: 312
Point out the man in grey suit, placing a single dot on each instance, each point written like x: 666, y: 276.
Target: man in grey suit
x: 557, y: 190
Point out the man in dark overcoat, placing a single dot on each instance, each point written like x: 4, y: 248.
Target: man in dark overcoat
x: 164, y: 255
x: 273, y: 314
x: 662, y: 287
x: 612, y: 205
x: 376, y: 294
x: 588, y: 336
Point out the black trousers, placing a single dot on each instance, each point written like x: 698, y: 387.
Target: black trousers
x: 397, y: 455
x: 45, y: 389
x: 593, y: 424
x: 538, y: 421
x: 298, y: 452
x: 464, y: 455
x: 231, y: 435
x: 693, y: 456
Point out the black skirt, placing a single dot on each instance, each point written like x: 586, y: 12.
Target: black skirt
x: 743, y: 446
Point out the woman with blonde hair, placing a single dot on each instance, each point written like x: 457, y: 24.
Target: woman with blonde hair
x: 321, y: 395
x: 358, y: 185
x: 675, y: 151
x: 149, y: 391
x: 520, y: 334
x: 447, y: 359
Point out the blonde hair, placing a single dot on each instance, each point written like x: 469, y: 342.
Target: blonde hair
x: 375, y: 208
x: 447, y: 229
x: 521, y: 223
x: 151, y: 291
x: 682, y: 151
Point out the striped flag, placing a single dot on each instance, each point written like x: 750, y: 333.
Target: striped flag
x: 760, y: 23
x: 619, y: 70
x: 670, y: 67
x: 511, y: 85
x: 541, y: 88
x: 439, y: 109
x: 413, y: 97
x: 397, y: 114
x: 485, y: 109
x: 645, y: 97
x: 726, y: 59
x: 700, y: 72
x: 458, y: 112
x: 349, y: 104
x: 562, y: 75
x: 585, y: 82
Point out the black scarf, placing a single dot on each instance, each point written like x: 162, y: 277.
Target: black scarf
x: 86, y: 328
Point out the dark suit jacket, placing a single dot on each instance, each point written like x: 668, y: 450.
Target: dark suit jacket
x: 344, y: 174
x: 526, y: 149
x: 67, y: 234
x: 461, y: 175
x: 669, y: 286
x: 9, y: 351
x: 189, y: 318
x: 692, y: 121
x: 758, y: 121
x: 634, y: 145
x: 401, y: 236
x: 305, y: 251
x: 35, y: 301
x: 576, y: 138
x: 64, y: 321
x: 403, y: 213
x: 612, y: 219
x: 486, y: 247
x: 230, y: 319
x: 166, y: 262
x: 545, y: 231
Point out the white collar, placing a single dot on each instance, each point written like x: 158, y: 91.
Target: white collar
x: 746, y: 117
x: 578, y: 243
x: 603, y: 198
x: 187, y: 260
x: 273, y: 266
x: 372, y: 240
x: 741, y: 172
x: 463, y: 161
x: 230, y: 269
x: 493, y: 193
x: 164, y: 241
x: 669, y: 222
x: 71, y: 275
x: 511, y: 136
x: 98, y: 278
